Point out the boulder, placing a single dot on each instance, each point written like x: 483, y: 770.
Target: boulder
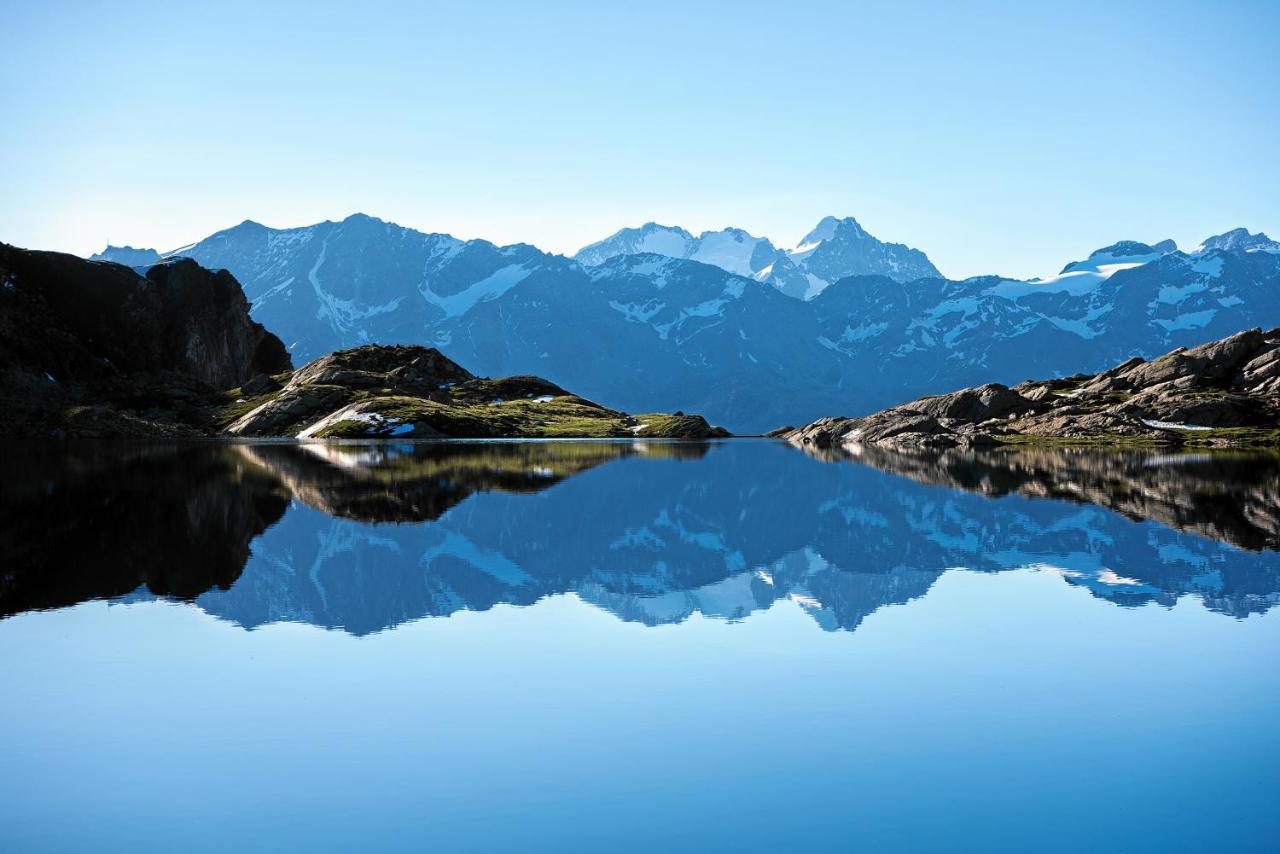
x: 976, y: 404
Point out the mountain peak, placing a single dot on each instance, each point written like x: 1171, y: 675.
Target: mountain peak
x: 841, y: 247
x: 1120, y: 255
x: 738, y: 234
x: 1240, y: 240
x: 1133, y: 249
x: 830, y: 226
x: 657, y: 226
x: 650, y: 238
x: 128, y: 256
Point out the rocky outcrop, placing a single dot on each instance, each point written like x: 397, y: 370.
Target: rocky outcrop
x: 98, y: 348
x: 1220, y: 394
x: 413, y: 391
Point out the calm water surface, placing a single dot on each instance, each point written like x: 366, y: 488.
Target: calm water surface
x: 636, y: 647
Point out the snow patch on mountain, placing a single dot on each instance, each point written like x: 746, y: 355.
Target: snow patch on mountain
x: 733, y: 290
x: 491, y: 287
x: 1192, y: 320
x: 638, y: 312
x: 730, y: 249
x: 1081, y: 277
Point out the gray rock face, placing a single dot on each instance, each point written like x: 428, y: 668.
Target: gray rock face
x: 1230, y: 383
x: 977, y: 404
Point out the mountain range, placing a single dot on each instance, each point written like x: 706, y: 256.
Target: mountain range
x: 725, y: 323
x: 835, y: 249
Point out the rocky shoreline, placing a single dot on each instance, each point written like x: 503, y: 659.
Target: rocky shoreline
x: 1221, y: 394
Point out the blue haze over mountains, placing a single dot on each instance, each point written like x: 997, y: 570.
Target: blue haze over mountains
x: 726, y: 323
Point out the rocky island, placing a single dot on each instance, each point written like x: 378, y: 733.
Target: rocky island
x: 1224, y: 393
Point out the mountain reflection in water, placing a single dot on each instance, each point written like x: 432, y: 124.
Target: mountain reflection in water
x: 362, y: 537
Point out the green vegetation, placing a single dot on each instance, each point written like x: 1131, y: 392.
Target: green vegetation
x: 1237, y: 437
x: 237, y: 406
x: 372, y: 392
x: 1101, y: 440
x: 1220, y: 437
x: 561, y: 417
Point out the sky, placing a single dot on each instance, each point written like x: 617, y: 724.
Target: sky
x: 1002, y: 138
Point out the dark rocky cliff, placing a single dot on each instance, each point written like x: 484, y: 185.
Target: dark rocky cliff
x: 91, y: 347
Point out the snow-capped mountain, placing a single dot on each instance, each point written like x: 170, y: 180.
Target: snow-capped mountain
x: 839, y: 248
x: 1240, y: 240
x: 361, y: 280
x: 730, y: 249
x: 655, y: 332
x: 833, y: 250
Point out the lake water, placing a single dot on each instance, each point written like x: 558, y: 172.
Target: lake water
x: 636, y: 647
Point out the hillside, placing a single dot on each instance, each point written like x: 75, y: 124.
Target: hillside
x: 376, y: 391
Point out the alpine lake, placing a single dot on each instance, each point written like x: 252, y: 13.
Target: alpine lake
x: 636, y: 646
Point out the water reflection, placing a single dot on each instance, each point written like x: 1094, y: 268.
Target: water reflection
x: 364, y: 537
x: 1230, y: 497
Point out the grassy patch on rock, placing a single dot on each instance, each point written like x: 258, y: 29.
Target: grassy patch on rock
x: 560, y: 417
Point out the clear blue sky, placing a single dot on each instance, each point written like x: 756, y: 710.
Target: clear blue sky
x: 997, y: 137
